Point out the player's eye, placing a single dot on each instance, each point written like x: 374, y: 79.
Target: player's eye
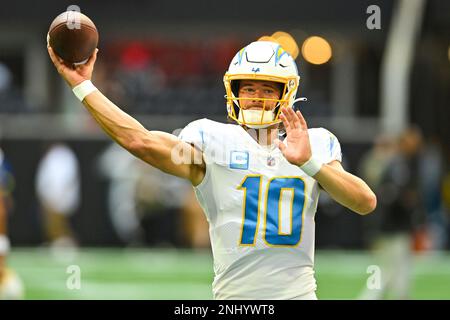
x: 248, y: 89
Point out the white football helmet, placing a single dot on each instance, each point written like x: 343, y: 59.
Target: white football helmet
x: 261, y: 60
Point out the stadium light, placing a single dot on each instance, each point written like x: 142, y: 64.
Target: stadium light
x: 316, y: 50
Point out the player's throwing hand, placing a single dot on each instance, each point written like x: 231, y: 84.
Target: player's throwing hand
x: 76, y: 75
x: 298, y: 149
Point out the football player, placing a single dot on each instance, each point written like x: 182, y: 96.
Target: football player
x: 4, y: 241
x: 11, y: 286
x: 258, y: 180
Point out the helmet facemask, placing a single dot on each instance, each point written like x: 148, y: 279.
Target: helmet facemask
x: 260, y: 118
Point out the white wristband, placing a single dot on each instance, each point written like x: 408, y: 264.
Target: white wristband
x: 311, y: 167
x: 4, y: 245
x: 83, y: 89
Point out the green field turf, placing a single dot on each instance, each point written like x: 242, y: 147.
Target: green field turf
x: 174, y: 274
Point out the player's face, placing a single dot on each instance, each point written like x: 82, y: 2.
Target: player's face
x: 255, y: 90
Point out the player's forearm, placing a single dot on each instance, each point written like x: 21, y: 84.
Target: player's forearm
x: 120, y: 126
x: 153, y: 147
x: 347, y: 189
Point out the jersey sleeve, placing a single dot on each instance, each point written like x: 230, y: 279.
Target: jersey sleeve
x: 325, y: 146
x: 194, y: 133
x: 209, y: 137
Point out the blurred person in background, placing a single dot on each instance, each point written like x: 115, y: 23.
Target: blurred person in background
x: 58, y: 192
x: 11, y: 286
x: 445, y: 190
x: 6, y: 206
x: 432, y: 172
x: 160, y: 199
x: 244, y: 171
x: 4, y: 240
x: 119, y: 169
x: 372, y: 169
x: 393, y: 171
x: 146, y: 205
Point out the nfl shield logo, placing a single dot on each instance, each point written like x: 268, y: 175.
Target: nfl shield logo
x: 270, y: 161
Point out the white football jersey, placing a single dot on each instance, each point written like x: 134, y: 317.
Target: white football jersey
x: 260, y: 210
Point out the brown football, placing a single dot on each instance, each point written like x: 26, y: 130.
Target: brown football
x: 73, y: 37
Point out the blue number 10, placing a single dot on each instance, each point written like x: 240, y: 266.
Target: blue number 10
x: 276, y: 187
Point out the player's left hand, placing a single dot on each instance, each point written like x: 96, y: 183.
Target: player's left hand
x: 298, y: 149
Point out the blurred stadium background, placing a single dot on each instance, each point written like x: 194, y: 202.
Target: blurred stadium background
x: 138, y: 234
